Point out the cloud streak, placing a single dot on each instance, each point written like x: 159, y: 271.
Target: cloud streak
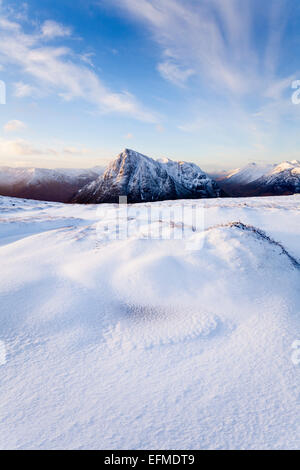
x: 22, y: 152
x: 173, y: 73
x: 51, y: 29
x: 59, y: 70
x: 234, y: 49
x: 214, y: 39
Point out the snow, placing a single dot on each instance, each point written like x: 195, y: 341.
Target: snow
x: 285, y: 173
x: 146, y: 343
x: 263, y: 179
x: 143, y: 179
x: 263, y: 172
x: 249, y: 173
x: 45, y: 184
x: 31, y: 175
x: 293, y: 165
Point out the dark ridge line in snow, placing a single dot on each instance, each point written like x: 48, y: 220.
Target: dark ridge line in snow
x: 260, y: 234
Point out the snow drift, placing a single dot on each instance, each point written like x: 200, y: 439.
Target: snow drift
x: 144, y: 343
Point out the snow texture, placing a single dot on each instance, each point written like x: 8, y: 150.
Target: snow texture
x: 145, y: 343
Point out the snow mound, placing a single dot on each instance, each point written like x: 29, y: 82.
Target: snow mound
x: 160, y: 273
x: 144, y: 343
x: 169, y: 295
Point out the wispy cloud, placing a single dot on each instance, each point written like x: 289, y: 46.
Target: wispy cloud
x: 215, y: 40
x: 129, y: 136
x: 60, y: 70
x: 172, y: 72
x: 14, y: 126
x: 51, y: 29
x: 22, y: 90
x: 19, y: 148
x: 22, y: 152
x: 234, y: 49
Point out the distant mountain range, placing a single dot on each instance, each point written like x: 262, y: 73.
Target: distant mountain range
x: 42, y: 184
x: 262, y: 180
x: 143, y: 179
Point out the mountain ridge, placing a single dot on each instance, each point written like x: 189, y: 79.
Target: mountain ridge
x: 57, y: 185
x: 143, y: 179
x: 262, y: 180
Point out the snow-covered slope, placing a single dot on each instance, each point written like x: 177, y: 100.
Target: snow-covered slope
x: 144, y: 343
x: 249, y: 173
x: 261, y: 180
x: 39, y: 183
x: 283, y: 179
x: 143, y: 179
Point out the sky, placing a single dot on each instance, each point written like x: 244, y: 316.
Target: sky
x: 216, y: 82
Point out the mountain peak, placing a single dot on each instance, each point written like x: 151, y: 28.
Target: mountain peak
x: 287, y: 165
x: 263, y: 179
x: 131, y: 152
x: 143, y: 179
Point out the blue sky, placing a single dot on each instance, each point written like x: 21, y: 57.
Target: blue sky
x: 208, y: 81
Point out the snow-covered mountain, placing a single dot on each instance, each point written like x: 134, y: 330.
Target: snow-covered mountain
x: 57, y: 185
x: 263, y: 180
x: 248, y: 173
x: 283, y: 179
x: 143, y: 179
